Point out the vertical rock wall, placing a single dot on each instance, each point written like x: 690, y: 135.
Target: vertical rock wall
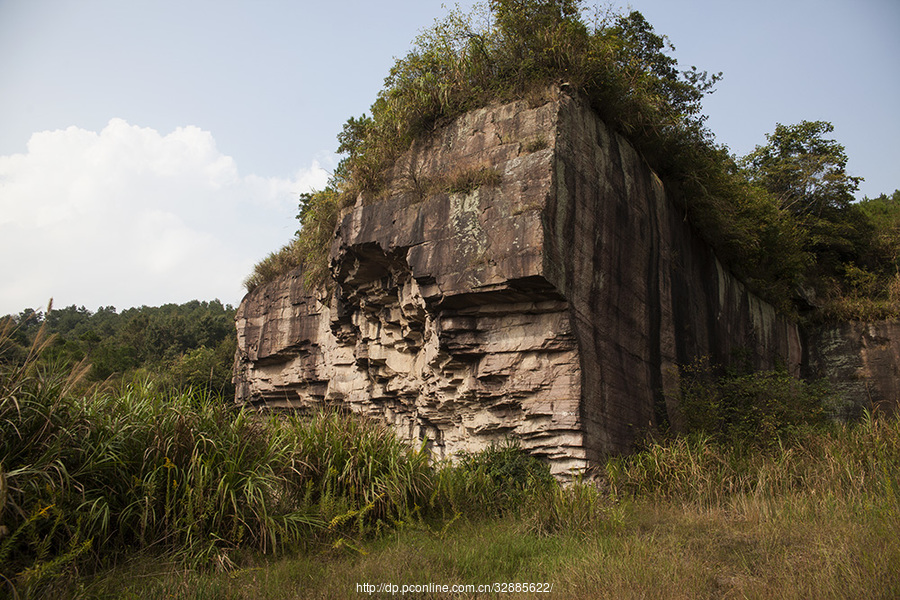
x: 550, y: 303
x: 861, y: 362
x: 439, y: 320
x: 646, y: 293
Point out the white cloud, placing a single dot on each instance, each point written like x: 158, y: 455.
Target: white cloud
x: 128, y: 216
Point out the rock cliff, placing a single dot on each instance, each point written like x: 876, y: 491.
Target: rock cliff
x: 550, y: 303
x: 860, y: 361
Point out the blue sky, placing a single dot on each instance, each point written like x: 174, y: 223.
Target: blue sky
x: 153, y: 151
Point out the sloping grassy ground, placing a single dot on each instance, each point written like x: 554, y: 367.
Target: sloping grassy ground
x: 800, y: 545
x: 136, y: 492
x: 818, y: 519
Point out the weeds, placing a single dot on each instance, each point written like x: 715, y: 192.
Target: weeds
x: 310, y: 247
x: 461, y: 181
x: 852, y: 461
x: 87, y: 480
x: 276, y: 264
x: 86, y: 477
x: 491, y: 482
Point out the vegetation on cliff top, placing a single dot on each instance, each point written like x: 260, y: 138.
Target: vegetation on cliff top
x: 779, y: 234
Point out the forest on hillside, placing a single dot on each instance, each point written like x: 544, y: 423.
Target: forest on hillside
x: 181, y: 346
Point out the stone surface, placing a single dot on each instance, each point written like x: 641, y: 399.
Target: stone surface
x: 551, y: 305
x: 646, y: 292
x: 861, y: 362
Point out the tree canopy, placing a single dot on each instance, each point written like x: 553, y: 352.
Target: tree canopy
x: 190, y: 344
x: 852, y: 256
x: 806, y: 172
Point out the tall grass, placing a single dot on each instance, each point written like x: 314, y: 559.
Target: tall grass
x: 88, y: 476
x: 814, y: 519
x: 87, y: 479
x: 855, y: 461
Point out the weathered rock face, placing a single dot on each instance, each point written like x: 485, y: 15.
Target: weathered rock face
x: 861, y: 362
x: 646, y: 292
x: 550, y: 304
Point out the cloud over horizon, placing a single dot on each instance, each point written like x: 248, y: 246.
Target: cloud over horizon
x: 129, y: 217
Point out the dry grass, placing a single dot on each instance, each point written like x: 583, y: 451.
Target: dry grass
x: 817, y: 520
x: 794, y: 547
x: 458, y: 181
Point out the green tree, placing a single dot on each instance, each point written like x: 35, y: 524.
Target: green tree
x: 806, y: 171
x: 642, y: 50
x: 884, y: 214
x: 207, y: 368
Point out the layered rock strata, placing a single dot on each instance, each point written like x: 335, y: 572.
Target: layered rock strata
x: 526, y: 275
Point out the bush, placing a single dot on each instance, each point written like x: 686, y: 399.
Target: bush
x: 490, y: 482
x: 746, y: 408
x: 208, y: 369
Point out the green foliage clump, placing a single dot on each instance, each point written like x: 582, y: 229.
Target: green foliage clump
x: 364, y: 479
x: 803, y: 170
x: 491, y: 482
x: 746, y: 408
x: 460, y: 181
x: 205, y: 368
x: 503, y: 480
x: 884, y: 214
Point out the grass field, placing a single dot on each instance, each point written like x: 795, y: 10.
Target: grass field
x: 803, y: 545
x: 139, y: 492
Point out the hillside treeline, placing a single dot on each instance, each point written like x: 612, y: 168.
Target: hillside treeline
x: 181, y: 345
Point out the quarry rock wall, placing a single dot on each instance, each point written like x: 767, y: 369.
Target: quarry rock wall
x: 440, y: 321
x: 861, y: 363
x: 646, y: 292
x: 549, y: 301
